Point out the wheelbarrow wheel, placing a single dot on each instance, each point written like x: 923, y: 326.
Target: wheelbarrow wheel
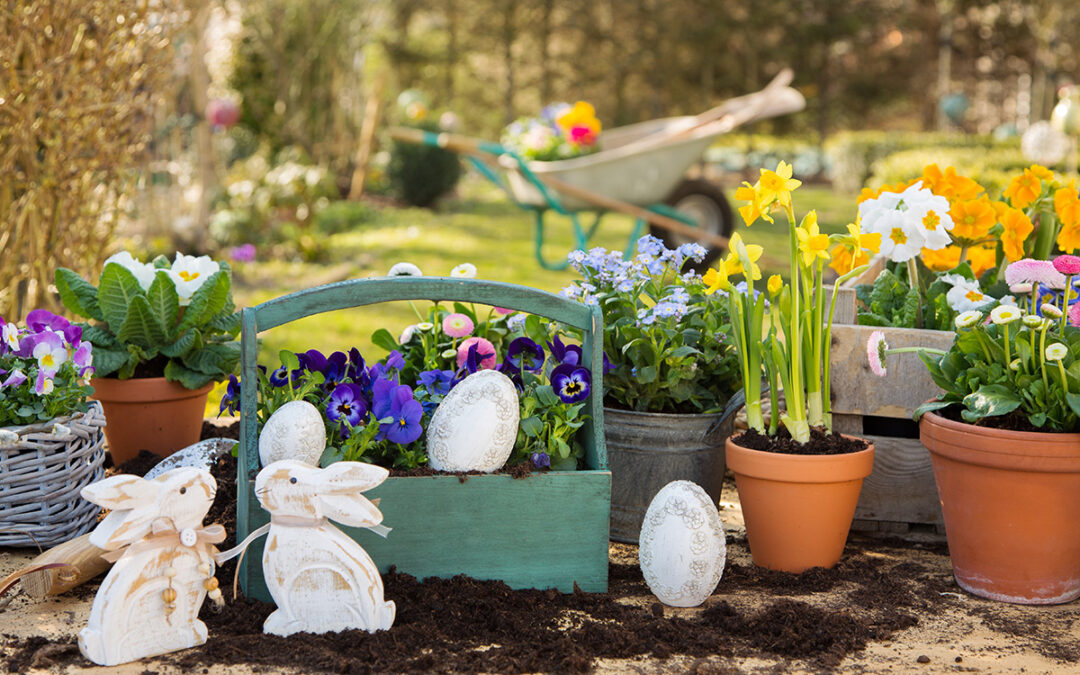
x: 706, y: 204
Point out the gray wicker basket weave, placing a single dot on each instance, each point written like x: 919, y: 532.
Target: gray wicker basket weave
x: 41, y: 475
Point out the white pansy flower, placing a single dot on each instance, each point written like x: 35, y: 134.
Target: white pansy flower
x: 968, y: 319
x: 1056, y: 352
x: 11, y: 336
x: 144, y: 272
x: 967, y: 296
x: 1004, y: 314
x: 190, y: 273
x: 464, y: 271
x: 404, y: 269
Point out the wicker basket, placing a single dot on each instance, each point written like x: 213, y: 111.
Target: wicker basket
x: 41, y: 475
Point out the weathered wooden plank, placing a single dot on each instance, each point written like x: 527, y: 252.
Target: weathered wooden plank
x: 855, y: 388
x: 549, y: 530
x: 901, y: 487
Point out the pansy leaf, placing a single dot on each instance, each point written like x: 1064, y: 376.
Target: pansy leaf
x: 330, y: 455
x: 77, y: 294
x: 116, y: 291
x: 532, y: 426
x: 383, y: 338
x: 546, y: 395
x: 646, y: 374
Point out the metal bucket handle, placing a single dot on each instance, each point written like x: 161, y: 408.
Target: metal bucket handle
x: 734, y: 403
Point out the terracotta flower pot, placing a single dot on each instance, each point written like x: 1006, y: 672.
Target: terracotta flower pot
x: 149, y: 414
x: 797, y: 508
x: 1011, y: 502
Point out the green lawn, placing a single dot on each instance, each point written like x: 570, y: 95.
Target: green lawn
x: 481, y: 227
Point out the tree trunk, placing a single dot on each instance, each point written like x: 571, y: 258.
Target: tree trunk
x: 509, y: 32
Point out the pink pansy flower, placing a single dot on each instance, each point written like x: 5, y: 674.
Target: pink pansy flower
x: 457, y: 325
x: 1067, y: 264
x: 1035, y: 272
x: 484, y: 349
x: 875, y: 352
x: 83, y: 356
x: 44, y: 384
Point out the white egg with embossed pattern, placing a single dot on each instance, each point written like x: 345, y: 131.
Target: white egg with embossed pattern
x: 294, y: 431
x: 682, y: 548
x: 475, y: 426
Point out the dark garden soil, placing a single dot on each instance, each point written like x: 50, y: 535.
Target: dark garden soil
x: 804, y: 622
x: 1013, y: 421
x: 820, y: 443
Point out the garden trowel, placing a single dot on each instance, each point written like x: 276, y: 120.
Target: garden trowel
x: 67, y: 565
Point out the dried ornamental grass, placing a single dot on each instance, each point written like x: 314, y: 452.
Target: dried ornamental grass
x: 78, y: 81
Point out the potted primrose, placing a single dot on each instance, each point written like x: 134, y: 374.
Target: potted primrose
x: 163, y: 333
x: 1004, y: 439
x: 798, y: 481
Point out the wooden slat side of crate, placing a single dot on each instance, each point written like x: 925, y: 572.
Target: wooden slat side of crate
x: 487, y: 527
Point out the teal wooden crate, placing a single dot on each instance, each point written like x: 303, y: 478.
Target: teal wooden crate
x: 549, y: 530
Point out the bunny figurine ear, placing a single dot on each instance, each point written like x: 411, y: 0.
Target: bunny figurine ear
x: 339, y: 486
x: 130, y: 499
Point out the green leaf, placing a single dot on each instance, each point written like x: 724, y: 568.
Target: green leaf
x: 185, y: 377
x: 646, y: 374
x: 117, y: 290
x: 331, y: 455
x: 990, y: 401
x: 685, y: 350
x: 532, y: 426
x: 191, y: 339
x: 206, y: 302
x: 930, y: 406
x: 383, y: 338
x: 161, y: 263
x: 77, y: 294
x: 164, y: 302
x: 214, y: 359
x: 1074, y: 402
x: 141, y: 327
x: 100, y: 338
x: 546, y: 395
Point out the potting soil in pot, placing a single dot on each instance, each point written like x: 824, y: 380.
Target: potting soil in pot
x: 820, y: 443
x: 800, y: 622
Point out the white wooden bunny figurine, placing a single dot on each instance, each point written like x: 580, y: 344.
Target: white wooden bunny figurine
x: 149, y: 602
x: 321, y: 580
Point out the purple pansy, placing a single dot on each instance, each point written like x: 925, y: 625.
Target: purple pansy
x: 83, y: 357
x: 404, y: 413
x: 564, y: 353
x: 279, y: 377
x: 347, y: 405
x: 437, y: 381
x: 524, y: 354
x: 14, y: 379
x: 231, y: 400
x: 334, y: 371
x: 541, y: 460
x: 572, y: 383
x: 312, y: 360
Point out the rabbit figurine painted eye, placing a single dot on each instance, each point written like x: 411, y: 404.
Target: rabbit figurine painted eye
x: 321, y: 580
x: 149, y: 602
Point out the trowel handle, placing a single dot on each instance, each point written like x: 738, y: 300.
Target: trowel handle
x: 82, y: 561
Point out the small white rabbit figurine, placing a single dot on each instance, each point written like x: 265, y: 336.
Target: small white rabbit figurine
x: 149, y: 602
x: 321, y: 580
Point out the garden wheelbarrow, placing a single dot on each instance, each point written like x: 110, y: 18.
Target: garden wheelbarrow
x: 638, y: 170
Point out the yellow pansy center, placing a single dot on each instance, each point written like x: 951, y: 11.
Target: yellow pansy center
x: 48, y: 361
x: 898, y: 236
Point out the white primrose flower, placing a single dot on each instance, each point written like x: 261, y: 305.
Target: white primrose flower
x: 404, y: 269
x: 967, y: 296
x: 969, y: 318
x: 144, y: 272
x: 464, y: 271
x: 907, y: 221
x: 901, y: 237
x: 190, y: 273
x: 1004, y: 314
x: 1056, y: 352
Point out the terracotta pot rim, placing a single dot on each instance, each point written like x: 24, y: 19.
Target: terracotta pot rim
x: 788, y: 468
x: 143, y: 389
x: 1005, y: 434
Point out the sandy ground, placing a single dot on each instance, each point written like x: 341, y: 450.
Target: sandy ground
x: 968, y: 634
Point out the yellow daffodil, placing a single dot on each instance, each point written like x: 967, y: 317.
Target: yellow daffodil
x: 775, y: 284
x: 854, y: 249
x: 972, y: 219
x: 733, y: 264
x: 716, y: 280
x: 776, y: 186
x: 1023, y: 189
x: 1017, y: 226
x: 813, y: 245
x: 753, y: 209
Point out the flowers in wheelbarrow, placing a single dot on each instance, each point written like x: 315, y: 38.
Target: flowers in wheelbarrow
x: 561, y: 131
x: 579, y: 124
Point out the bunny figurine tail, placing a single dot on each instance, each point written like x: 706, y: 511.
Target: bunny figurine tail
x: 321, y: 580
x: 149, y: 602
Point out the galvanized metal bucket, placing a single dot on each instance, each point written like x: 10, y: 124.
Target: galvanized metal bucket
x: 646, y: 451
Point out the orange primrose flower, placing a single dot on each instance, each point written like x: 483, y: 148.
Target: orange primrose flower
x: 972, y: 219
x: 1023, y: 189
x: 1017, y: 226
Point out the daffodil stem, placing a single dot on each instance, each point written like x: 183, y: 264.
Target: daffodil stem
x: 913, y: 281
x: 795, y: 393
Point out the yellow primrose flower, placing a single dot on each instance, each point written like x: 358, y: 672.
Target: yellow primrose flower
x: 776, y: 186
x: 1041, y: 172
x: 581, y: 114
x: 812, y: 243
x: 941, y: 260
x: 1023, y: 189
x: 716, y: 280
x: 733, y: 265
x: 1017, y: 226
x: 775, y: 284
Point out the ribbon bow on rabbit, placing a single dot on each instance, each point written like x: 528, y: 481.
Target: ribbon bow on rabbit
x: 163, y: 535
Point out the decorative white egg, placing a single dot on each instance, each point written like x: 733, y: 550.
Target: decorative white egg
x: 294, y: 431
x: 475, y: 426
x: 682, y: 548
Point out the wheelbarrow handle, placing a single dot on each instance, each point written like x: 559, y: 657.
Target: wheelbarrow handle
x: 453, y: 142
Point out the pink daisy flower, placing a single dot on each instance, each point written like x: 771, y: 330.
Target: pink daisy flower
x: 875, y: 352
x: 484, y: 349
x: 1035, y: 272
x: 458, y: 325
x: 504, y: 311
x: 1067, y: 264
x: 1074, y: 314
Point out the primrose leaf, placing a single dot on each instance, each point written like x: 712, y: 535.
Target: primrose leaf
x: 990, y: 401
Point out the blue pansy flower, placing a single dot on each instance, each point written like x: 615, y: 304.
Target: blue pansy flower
x: 312, y: 360
x: 405, y: 413
x: 437, y: 381
x: 564, y: 353
x: 347, y: 406
x: 572, y: 383
x: 524, y: 354
x: 541, y: 460
x: 280, y: 377
x: 231, y: 400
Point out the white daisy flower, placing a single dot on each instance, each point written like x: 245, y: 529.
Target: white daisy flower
x: 464, y: 271
x: 1004, y: 314
x: 1033, y: 320
x: 1050, y: 311
x: 404, y: 269
x: 1056, y: 352
x: 968, y: 319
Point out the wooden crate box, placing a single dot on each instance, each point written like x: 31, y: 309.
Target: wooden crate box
x: 549, y: 530
x: 900, y: 496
